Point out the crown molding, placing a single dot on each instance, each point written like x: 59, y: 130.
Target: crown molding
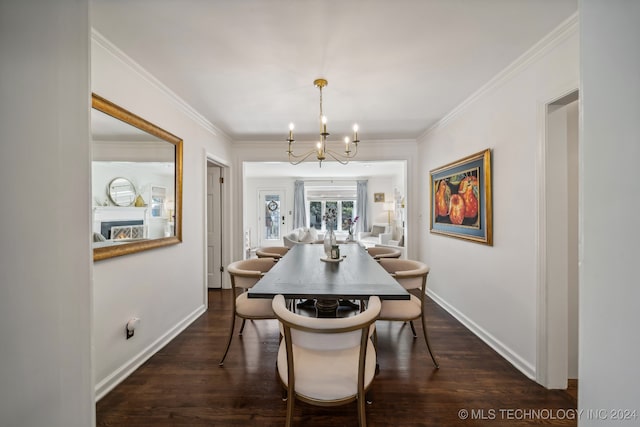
x: 566, y: 29
x: 151, y: 79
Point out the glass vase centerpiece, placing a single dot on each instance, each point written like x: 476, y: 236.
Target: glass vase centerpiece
x: 329, y: 218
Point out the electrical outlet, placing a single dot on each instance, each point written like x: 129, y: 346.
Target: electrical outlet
x: 130, y: 327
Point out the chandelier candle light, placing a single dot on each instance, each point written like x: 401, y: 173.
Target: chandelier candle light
x: 321, y: 151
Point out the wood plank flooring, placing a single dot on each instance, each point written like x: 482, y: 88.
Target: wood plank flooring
x: 182, y: 385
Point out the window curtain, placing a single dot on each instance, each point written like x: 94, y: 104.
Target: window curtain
x: 299, y: 211
x: 361, y: 206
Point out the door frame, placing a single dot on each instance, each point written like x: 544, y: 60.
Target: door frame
x: 214, y: 218
x: 225, y: 236
x: 550, y: 357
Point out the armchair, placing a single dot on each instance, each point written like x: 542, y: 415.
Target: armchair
x: 326, y: 362
x: 380, y: 234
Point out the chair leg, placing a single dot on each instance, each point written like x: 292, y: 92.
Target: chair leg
x: 362, y: 415
x: 426, y: 340
x: 413, y: 329
x: 242, y: 327
x: 290, y: 406
x: 233, y: 324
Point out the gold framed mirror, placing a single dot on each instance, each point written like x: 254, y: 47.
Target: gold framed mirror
x: 136, y: 182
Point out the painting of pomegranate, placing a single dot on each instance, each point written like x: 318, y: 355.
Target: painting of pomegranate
x: 461, y: 198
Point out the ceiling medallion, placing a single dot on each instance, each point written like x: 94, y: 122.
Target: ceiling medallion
x: 322, y: 151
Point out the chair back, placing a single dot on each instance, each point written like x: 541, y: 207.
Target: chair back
x: 246, y: 273
x: 272, y: 252
x: 378, y: 252
x: 327, y: 334
x: 409, y: 273
x: 326, y: 361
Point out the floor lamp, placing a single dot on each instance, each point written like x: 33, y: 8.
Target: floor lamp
x: 389, y: 207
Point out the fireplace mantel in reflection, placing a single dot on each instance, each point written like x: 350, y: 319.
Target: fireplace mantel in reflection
x: 118, y: 216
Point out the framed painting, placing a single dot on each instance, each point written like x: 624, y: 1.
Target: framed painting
x: 461, y: 199
x: 378, y: 197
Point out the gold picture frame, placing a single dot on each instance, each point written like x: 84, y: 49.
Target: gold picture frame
x: 461, y: 200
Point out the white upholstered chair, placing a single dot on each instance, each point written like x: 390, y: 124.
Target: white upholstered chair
x: 379, y: 234
x: 275, y: 252
x: 412, y: 275
x: 244, y: 274
x: 326, y: 361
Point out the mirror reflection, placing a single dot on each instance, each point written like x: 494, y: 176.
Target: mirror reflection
x: 122, y: 192
x: 136, y: 182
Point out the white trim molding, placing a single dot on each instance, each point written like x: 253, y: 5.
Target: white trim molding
x: 511, y: 356
x: 187, y: 109
x: 126, y: 369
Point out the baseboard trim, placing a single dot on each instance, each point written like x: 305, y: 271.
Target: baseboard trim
x: 512, y: 357
x: 120, y: 374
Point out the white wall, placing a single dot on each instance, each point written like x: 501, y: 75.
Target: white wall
x: 493, y: 289
x: 166, y: 287
x: 45, y: 274
x: 609, y: 291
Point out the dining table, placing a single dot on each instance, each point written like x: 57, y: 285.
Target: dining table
x: 306, y: 272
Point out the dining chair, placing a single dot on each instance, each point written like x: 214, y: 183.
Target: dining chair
x: 381, y: 252
x: 244, y: 274
x: 326, y: 361
x: 275, y: 252
x: 412, y: 275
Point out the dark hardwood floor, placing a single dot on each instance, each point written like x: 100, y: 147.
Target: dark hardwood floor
x: 182, y: 385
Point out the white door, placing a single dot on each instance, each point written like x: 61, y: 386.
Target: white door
x: 271, y: 217
x: 214, y: 228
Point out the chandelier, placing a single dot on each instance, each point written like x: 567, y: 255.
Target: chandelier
x: 322, y: 150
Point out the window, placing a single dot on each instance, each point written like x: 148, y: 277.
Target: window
x: 347, y: 210
x: 344, y: 209
x: 341, y: 197
x: 315, y: 214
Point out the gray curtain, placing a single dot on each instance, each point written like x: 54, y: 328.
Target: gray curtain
x: 299, y: 211
x: 361, y: 206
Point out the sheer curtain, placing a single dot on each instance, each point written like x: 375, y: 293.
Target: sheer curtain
x: 361, y: 206
x: 299, y: 211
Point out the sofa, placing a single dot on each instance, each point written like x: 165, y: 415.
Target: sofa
x: 302, y: 235
x: 379, y: 234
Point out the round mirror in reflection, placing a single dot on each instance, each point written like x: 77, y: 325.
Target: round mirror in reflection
x: 121, y: 192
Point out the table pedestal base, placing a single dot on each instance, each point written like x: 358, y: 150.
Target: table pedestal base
x: 326, y: 308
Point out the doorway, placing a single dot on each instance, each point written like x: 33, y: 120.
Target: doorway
x: 558, y: 251
x: 215, y: 180
x: 271, y: 216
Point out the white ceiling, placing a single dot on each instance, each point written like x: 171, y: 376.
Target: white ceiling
x: 394, y: 67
